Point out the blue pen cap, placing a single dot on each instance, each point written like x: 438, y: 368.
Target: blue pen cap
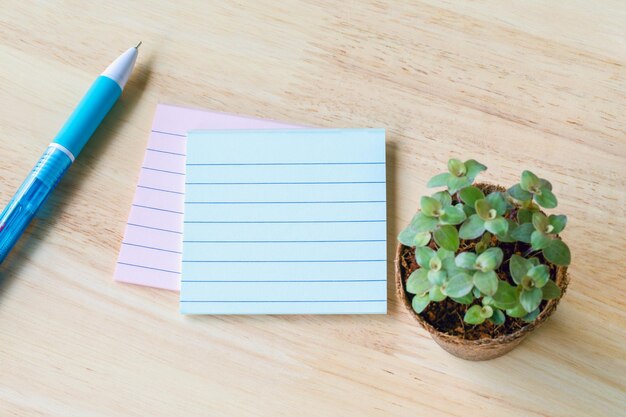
x: 89, y: 113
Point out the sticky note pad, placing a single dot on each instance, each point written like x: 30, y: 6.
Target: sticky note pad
x: 289, y: 221
x: 151, y: 249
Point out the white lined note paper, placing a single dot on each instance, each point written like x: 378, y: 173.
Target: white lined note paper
x: 285, y: 222
x: 151, y: 250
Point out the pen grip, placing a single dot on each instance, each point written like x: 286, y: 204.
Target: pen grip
x: 31, y: 195
x: 88, y: 115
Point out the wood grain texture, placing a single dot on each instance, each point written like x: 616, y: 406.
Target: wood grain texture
x: 533, y: 84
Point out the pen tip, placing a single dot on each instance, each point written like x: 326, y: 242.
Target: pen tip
x: 138, y: 45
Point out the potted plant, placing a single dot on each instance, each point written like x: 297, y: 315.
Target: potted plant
x: 480, y: 266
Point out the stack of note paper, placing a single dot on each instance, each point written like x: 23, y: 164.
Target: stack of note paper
x: 248, y: 216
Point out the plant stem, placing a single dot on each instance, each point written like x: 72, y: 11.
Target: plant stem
x: 528, y: 252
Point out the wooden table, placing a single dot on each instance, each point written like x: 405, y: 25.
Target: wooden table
x: 537, y: 85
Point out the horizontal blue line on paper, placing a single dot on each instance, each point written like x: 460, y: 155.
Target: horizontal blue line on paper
x: 158, y: 209
x: 163, y: 170
x: 287, y: 280
x: 284, y: 174
x: 283, y: 301
x: 169, y: 133
x: 150, y: 247
x: 283, y: 270
x: 285, y: 202
x: 285, y: 183
x: 284, y: 241
x: 159, y: 189
x: 283, y: 221
x: 287, y: 163
x: 148, y: 267
x: 289, y: 261
x: 167, y: 152
x: 155, y: 228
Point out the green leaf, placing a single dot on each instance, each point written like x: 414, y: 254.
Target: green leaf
x: 470, y: 195
x: 535, y: 261
x: 550, y: 290
x: 430, y: 206
x: 498, y: 317
x: 418, y: 282
x: 529, y: 181
x: 407, y: 236
x: 436, y: 294
x: 450, y: 267
x: 466, y: 260
x: 477, y: 314
x: 497, y: 226
x: 444, y: 254
x: 447, y: 237
x: 486, y: 239
x: 540, y: 274
x: 488, y: 301
x: 558, y: 253
x: 423, y: 223
x: 517, y: 311
x: 530, y: 317
x: 558, y: 222
x: 472, y: 228
x: 443, y: 197
x: 489, y: 260
x: 506, y: 296
x: 524, y: 216
x: 530, y: 299
x: 435, y: 262
x: 519, y: 267
x: 459, y: 285
x: 436, y: 277
x: 484, y: 243
x: 420, y: 302
x: 517, y: 193
x: 457, y: 183
x: 540, y: 221
x: 483, y: 209
x: 506, y: 237
x: 486, y: 282
x: 452, y: 215
x: 522, y: 232
x: 439, y: 180
x: 473, y: 315
x: 456, y: 167
x: 539, y: 240
x: 476, y: 292
x: 466, y: 299
x: 480, y: 247
x: 546, y: 199
x: 496, y: 201
x: 421, y: 239
x: 469, y: 210
x: 473, y: 168
x: 423, y: 256
x: 545, y: 184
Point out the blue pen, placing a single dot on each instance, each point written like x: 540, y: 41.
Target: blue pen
x: 65, y: 147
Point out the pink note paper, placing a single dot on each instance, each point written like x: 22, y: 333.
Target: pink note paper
x: 151, y: 250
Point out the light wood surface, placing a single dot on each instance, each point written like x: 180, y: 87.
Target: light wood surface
x: 533, y: 84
